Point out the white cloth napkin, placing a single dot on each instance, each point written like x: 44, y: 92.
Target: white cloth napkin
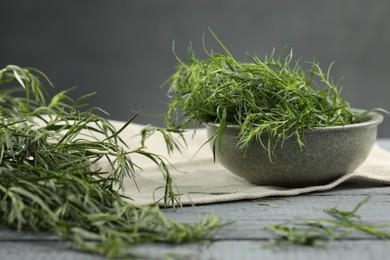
x: 201, y: 181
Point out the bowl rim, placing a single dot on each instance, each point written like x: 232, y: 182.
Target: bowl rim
x: 374, y: 119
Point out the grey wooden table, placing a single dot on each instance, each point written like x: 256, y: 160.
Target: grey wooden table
x: 246, y: 238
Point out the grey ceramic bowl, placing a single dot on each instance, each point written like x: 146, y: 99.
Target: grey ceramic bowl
x: 329, y: 153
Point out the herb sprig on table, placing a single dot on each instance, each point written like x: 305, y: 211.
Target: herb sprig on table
x: 321, y: 231
x: 48, y: 147
x: 274, y: 96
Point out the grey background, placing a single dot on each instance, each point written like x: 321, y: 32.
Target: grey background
x: 123, y: 49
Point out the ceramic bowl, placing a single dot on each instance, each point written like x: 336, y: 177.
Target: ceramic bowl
x: 329, y: 153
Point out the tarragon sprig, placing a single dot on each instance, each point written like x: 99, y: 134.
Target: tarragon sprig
x: 321, y: 231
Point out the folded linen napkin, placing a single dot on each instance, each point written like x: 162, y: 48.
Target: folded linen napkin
x: 201, y: 181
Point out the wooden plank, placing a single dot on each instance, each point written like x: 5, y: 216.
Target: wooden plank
x: 251, y: 218
x: 226, y: 250
x: 345, y: 250
x: 284, y: 208
x: 12, y: 235
x: 42, y: 250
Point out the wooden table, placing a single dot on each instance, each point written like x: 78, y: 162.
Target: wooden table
x: 246, y: 238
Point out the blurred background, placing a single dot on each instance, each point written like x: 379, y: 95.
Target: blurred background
x: 123, y: 49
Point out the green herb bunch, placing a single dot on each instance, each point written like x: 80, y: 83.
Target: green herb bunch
x: 275, y: 97
x: 47, y: 182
